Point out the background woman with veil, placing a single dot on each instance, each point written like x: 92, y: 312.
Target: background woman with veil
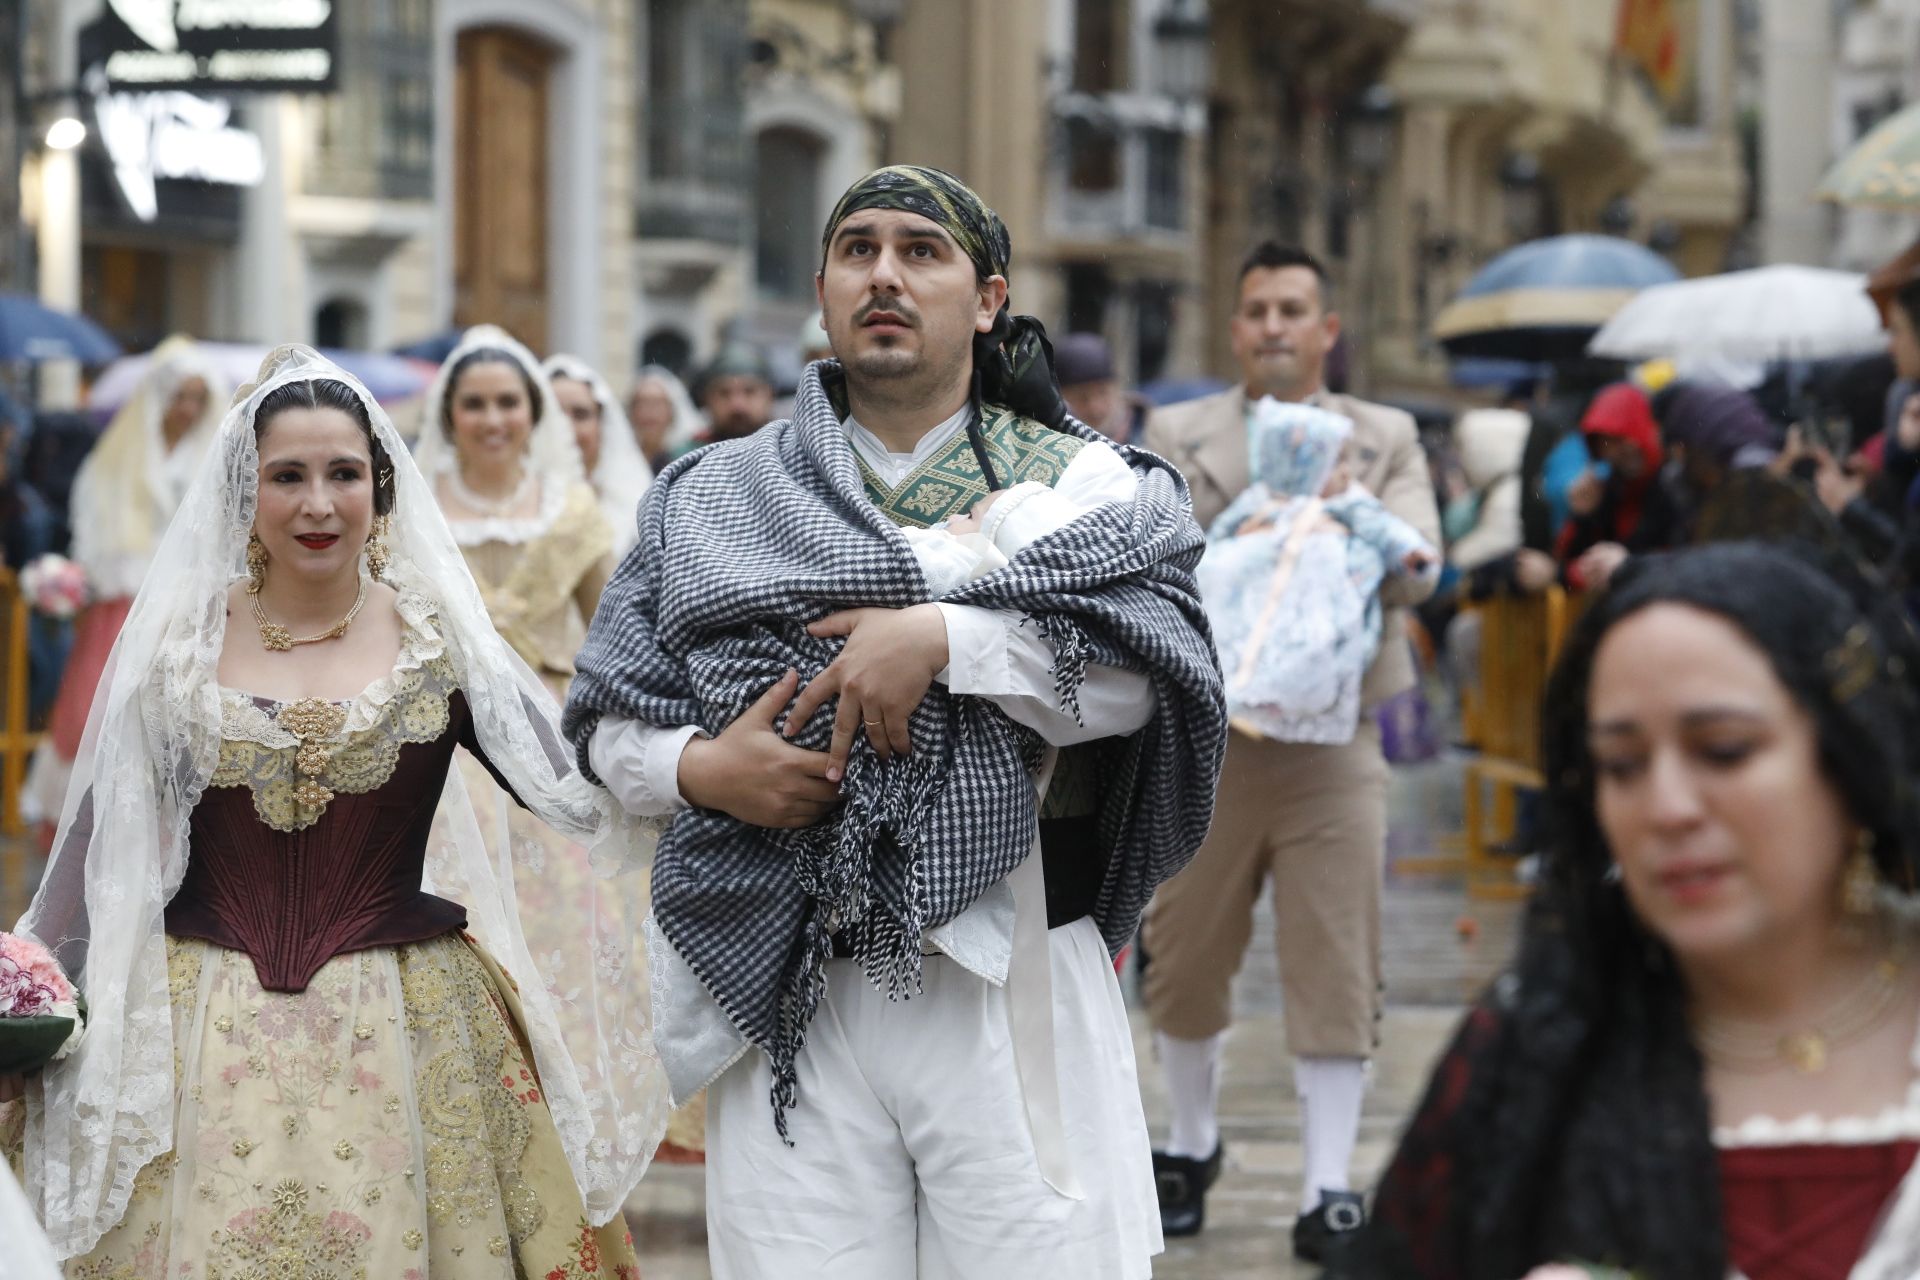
x: 503, y: 460
x: 665, y: 420
x: 294, y: 922
x: 125, y: 493
x: 608, y: 449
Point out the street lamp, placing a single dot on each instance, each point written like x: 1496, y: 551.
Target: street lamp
x: 1182, y: 39
x: 1369, y: 130
x: 66, y: 133
x: 1521, y: 180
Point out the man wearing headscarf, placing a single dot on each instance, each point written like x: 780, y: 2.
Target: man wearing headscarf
x: 884, y: 908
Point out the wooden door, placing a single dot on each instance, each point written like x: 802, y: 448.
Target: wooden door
x: 500, y: 183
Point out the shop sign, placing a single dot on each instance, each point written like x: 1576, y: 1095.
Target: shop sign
x: 172, y: 135
x: 262, y: 45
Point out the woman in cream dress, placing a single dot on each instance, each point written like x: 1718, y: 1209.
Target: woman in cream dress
x: 125, y: 493
x: 504, y: 461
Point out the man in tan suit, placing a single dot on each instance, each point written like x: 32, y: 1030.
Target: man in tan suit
x: 1311, y: 818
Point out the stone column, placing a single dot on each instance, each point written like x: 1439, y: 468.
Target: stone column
x: 1796, y: 72
x: 57, y: 231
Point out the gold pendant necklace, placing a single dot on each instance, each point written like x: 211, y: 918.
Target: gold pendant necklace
x: 278, y: 639
x: 1748, y: 1048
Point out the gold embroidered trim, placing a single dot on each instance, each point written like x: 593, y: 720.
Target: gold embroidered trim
x: 296, y: 757
x: 951, y: 481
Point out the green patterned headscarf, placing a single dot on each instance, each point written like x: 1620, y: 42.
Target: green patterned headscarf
x: 1013, y: 363
x: 939, y: 197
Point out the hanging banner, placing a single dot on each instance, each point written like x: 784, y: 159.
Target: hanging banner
x: 260, y: 45
x: 1649, y: 36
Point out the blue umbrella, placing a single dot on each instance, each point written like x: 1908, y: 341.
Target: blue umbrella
x: 1480, y: 371
x: 434, y: 349
x: 1545, y: 299
x: 33, y: 331
x: 1167, y: 391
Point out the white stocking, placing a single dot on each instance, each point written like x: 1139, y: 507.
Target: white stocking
x: 1192, y: 1070
x: 1330, y: 1091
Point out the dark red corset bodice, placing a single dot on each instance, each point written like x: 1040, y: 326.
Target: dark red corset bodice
x: 1807, y: 1212
x: 293, y: 900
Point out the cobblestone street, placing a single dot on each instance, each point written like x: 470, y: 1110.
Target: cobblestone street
x: 1432, y: 969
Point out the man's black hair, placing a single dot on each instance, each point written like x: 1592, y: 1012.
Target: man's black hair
x: 1271, y: 255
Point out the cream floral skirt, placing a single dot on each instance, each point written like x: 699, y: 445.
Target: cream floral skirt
x: 383, y: 1124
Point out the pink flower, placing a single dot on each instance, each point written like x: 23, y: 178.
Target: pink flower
x: 24, y: 962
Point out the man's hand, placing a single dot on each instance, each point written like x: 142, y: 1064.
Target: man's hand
x: 1534, y: 571
x: 1834, y: 483
x: 1584, y: 494
x: 1599, y: 564
x: 890, y: 658
x: 751, y: 773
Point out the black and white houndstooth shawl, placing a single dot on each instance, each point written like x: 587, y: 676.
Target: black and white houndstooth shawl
x: 744, y: 543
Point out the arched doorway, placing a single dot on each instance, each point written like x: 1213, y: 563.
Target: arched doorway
x: 501, y: 104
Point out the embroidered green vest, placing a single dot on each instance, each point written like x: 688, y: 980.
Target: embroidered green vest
x: 950, y: 483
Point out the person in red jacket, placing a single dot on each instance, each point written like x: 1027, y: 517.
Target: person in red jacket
x: 1628, y: 510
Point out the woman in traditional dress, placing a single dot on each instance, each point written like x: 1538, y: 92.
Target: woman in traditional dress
x: 608, y: 449
x: 502, y: 459
x: 125, y: 493
x: 304, y: 1054
x: 1706, y: 1059
x: 665, y: 419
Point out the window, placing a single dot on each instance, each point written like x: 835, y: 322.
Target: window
x: 1099, y: 45
x: 1093, y: 155
x: 1089, y: 289
x: 1166, y: 179
x: 786, y: 175
x: 691, y: 130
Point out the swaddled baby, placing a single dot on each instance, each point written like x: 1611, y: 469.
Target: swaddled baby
x: 984, y: 539
x: 1291, y: 578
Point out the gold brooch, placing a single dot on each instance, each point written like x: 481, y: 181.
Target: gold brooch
x: 310, y: 720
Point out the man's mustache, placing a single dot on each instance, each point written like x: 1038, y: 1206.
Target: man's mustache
x: 891, y: 308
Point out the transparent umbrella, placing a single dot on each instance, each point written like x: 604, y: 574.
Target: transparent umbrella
x: 1769, y: 313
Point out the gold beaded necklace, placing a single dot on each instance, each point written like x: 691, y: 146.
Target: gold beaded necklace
x: 278, y: 639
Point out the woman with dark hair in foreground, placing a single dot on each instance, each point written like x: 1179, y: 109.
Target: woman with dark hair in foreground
x: 1703, y: 1062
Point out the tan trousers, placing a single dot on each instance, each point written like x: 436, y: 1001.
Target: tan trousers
x: 1312, y: 819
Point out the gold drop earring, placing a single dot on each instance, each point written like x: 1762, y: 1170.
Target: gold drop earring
x: 1860, y: 889
x: 256, y: 564
x: 377, y: 553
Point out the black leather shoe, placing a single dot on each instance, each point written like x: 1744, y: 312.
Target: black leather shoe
x: 1326, y: 1235
x: 1182, y: 1184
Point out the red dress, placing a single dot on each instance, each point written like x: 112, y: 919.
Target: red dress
x: 1808, y: 1212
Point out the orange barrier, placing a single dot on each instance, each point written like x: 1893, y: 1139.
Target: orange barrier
x: 16, y: 742
x: 1520, y: 638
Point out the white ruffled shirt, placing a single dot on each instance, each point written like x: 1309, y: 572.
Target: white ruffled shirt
x: 991, y: 655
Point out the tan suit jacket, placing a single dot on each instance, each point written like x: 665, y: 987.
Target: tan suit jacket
x: 1207, y: 440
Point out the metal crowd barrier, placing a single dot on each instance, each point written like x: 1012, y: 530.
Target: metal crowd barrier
x: 1520, y: 639
x: 16, y: 741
